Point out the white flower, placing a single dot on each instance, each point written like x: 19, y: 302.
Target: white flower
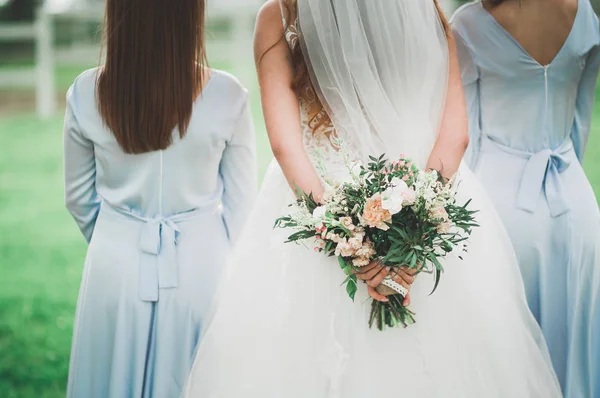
x: 398, y: 195
x: 391, y: 201
x: 320, y: 212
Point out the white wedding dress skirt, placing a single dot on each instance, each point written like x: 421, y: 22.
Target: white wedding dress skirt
x: 285, y: 328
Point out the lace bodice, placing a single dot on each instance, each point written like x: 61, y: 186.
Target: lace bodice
x: 330, y: 151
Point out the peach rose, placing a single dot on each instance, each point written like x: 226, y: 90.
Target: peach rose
x: 347, y: 223
x: 440, y: 214
x: 333, y: 237
x: 356, y: 241
x: 344, y: 249
x: 366, y: 251
x: 444, y: 227
x: 374, y: 215
x: 361, y: 262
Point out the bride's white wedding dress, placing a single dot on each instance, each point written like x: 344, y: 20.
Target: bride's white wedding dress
x: 285, y: 328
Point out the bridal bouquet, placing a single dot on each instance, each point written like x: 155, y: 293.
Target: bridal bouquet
x: 387, y: 211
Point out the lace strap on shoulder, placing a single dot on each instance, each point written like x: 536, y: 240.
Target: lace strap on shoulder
x: 283, y: 18
x: 289, y: 27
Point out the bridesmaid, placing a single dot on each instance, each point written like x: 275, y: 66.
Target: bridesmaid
x: 529, y: 69
x: 160, y: 176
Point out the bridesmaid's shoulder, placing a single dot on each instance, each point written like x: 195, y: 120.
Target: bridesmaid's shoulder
x: 228, y: 86
x: 228, y: 81
x: 83, y: 89
x: 468, y: 12
x: 590, y: 19
x: 468, y: 21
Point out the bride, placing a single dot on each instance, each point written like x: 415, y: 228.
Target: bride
x: 354, y: 78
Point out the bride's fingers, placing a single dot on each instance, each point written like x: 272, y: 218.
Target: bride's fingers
x: 377, y: 279
x: 365, y: 275
x: 410, y: 271
x: 406, y: 277
x: 376, y: 296
x: 372, y: 265
x: 406, y: 301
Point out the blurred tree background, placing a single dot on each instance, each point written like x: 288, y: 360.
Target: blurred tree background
x: 41, y: 250
x: 18, y: 10
x: 24, y: 10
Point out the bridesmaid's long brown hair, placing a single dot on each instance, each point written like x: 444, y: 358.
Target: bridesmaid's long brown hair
x: 153, y: 70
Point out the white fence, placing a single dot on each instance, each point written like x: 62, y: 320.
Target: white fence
x: 40, y: 77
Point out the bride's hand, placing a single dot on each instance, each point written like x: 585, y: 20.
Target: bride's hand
x: 374, y: 273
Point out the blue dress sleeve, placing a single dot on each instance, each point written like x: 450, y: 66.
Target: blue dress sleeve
x: 239, y: 174
x: 81, y: 197
x: 470, y: 78
x: 585, y: 102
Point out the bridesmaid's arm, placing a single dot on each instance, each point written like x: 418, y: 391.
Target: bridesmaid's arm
x: 585, y: 103
x: 453, y: 137
x: 81, y: 197
x: 470, y: 81
x: 238, y: 171
x: 280, y: 104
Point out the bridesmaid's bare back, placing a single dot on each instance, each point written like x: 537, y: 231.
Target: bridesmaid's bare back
x: 540, y: 26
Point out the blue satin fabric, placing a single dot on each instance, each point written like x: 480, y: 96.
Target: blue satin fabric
x: 542, y: 174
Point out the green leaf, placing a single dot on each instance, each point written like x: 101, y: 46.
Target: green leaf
x: 436, y: 262
x: 413, y: 261
x: 351, y: 289
x: 329, y: 246
x: 300, y: 235
x: 342, y: 262
x: 438, y: 275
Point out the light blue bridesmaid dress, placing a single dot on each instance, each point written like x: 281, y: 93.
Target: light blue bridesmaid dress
x: 160, y: 226
x: 529, y: 126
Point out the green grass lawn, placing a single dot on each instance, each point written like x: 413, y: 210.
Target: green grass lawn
x: 42, y: 252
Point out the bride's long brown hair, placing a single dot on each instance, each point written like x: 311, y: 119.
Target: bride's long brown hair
x: 301, y: 83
